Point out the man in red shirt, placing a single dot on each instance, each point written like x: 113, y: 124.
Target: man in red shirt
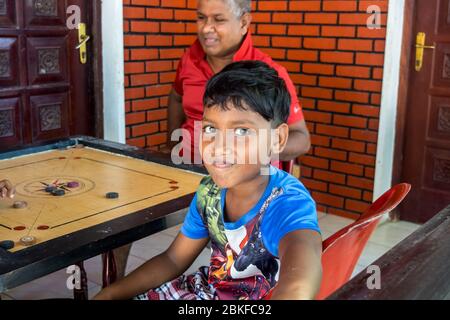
x: 223, y: 38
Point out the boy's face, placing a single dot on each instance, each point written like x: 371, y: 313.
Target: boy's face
x: 236, y: 144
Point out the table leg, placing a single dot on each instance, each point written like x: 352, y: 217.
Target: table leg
x: 109, y: 269
x: 82, y: 293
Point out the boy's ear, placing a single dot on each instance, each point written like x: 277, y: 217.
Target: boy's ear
x: 280, y: 138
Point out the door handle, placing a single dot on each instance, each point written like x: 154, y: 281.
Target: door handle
x: 83, y: 38
x: 420, y: 47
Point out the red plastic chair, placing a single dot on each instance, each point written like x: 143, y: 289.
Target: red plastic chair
x: 342, y: 250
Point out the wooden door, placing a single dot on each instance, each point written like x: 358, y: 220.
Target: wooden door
x: 43, y: 84
x: 426, y: 153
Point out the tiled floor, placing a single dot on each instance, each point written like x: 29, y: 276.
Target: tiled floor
x: 385, y: 237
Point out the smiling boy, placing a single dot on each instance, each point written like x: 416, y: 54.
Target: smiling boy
x: 262, y: 222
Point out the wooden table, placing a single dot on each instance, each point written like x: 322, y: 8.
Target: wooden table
x: 418, y: 268
x: 83, y: 223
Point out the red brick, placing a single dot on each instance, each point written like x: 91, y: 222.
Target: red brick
x: 329, y: 176
x: 357, y: 206
x: 364, y: 32
x: 171, y: 53
x: 337, y: 57
x: 318, y: 68
x: 134, y: 93
x: 371, y: 149
x: 348, y: 145
x: 365, y: 4
x: 351, y: 96
x: 368, y: 85
x: 271, y: 29
x: 155, y: 66
x: 304, y: 5
x: 261, y: 17
x: 338, y: 31
x: 316, y: 43
x: 328, y: 199
x: 173, y: 27
x: 134, y: 118
x: 160, y: 41
x: 303, y: 30
x: 333, y: 106
x: 362, y: 159
x: 286, y: 42
x: 167, y: 77
x: 159, y: 14
x: 156, y: 139
x: 320, y: 18
x: 134, y: 40
x: 354, y: 18
x: 332, y: 131
x: 134, y: 67
x: 352, y: 71
x: 173, y: 3
x: 137, y: 142
x: 364, y: 135
x: 370, y: 59
x: 314, y: 185
x: 330, y: 153
x: 160, y: 114
x: 315, y: 162
x: 190, y: 15
x: 368, y: 196
x: 350, y: 121
x: 362, y: 183
x: 153, y: 3
x: 184, y: 40
x: 302, y: 55
x: 290, y: 66
x: 317, y: 116
x: 144, y: 129
x: 373, y: 124
x: 329, y: 82
x: 272, y: 5
x: 133, y: 13
x: 144, y: 79
x: 345, y: 191
x: 261, y: 41
x: 320, y: 140
x: 144, y: 54
x: 339, y: 5
x: 143, y: 105
x: 317, y: 93
x: 275, y: 53
x: 348, y: 168
x: 380, y: 45
x: 144, y: 26
x: 369, y: 172
x: 355, y: 45
x: 303, y: 79
x: 377, y: 73
x: 287, y: 18
x: 158, y: 90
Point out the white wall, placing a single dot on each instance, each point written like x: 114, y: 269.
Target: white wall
x: 388, y: 115
x: 113, y: 71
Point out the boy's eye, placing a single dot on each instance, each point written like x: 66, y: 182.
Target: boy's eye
x: 241, y: 131
x: 209, y: 129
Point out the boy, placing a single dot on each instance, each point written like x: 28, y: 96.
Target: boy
x: 6, y: 189
x: 265, y: 239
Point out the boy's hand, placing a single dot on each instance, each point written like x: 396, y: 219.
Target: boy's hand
x: 6, y: 189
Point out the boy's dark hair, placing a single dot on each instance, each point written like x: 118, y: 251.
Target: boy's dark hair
x: 250, y: 85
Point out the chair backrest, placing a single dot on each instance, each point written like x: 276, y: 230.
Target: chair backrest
x: 342, y: 250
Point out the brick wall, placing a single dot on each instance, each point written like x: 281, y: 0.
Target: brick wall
x: 333, y: 58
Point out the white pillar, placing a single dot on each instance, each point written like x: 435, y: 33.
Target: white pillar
x: 389, y: 101
x: 113, y: 71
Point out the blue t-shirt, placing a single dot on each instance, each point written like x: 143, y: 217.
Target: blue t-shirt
x: 292, y: 209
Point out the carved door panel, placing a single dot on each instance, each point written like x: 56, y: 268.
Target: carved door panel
x: 43, y: 84
x: 426, y: 161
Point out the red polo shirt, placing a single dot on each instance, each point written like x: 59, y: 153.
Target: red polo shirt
x: 194, y: 72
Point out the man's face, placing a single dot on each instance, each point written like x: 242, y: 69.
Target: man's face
x: 235, y: 145
x: 220, y: 32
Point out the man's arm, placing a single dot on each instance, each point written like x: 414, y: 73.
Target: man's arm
x: 299, y: 141
x: 175, y: 115
x: 160, y: 269
x: 301, y: 267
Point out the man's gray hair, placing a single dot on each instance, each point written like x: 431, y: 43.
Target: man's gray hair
x: 240, y: 7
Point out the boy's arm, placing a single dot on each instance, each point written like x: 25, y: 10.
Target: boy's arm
x: 301, y: 267
x: 6, y: 189
x: 160, y: 269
